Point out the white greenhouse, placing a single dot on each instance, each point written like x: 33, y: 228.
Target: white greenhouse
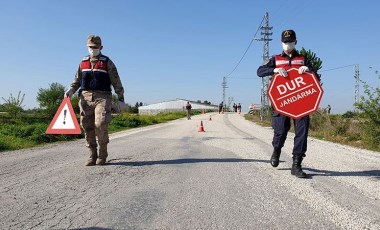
x: 174, y: 106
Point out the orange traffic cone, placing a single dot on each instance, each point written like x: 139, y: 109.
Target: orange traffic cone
x: 201, y: 129
x: 210, y: 118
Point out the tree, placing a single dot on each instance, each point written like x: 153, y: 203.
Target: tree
x: 13, y: 105
x: 51, y: 98
x: 135, y: 109
x: 316, y: 62
x: 369, y: 106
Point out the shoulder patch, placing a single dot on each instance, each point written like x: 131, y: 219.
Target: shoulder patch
x: 86, y: 58
x: 102, y: 58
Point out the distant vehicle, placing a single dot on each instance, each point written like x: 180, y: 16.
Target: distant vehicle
x: 254, y: 107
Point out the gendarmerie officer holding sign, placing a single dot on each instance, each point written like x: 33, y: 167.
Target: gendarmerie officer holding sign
x: 279, y: 64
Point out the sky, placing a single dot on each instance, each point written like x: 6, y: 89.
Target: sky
x: 168, y: 49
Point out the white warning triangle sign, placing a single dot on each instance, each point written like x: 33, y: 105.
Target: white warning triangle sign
x: 64, y: 121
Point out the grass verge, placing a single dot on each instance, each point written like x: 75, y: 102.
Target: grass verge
x: 24, y: 133
x: 335, y: 128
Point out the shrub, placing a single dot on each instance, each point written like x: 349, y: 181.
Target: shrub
x: 13, y: 143
x: 51, y: 98
x: 349, y: 114
x: 14, y: 105
x: 369, y: 106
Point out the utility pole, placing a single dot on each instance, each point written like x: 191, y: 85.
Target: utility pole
x: 357, y: 82
x: 224, y: 87
x: 265, y: 32
x: 230, y: 100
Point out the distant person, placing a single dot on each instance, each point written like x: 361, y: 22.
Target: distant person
x: 328, y: 109
x: 279, y: 64
x: 94, y: 78
x: 239, y: 108
x: 221, y: 107
x: 188, y: 110
x: 235, y: 107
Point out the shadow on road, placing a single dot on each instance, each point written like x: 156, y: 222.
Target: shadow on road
x: 368, y: 173
x: 91, y: 228
x: 181, y: 161
x: 316, y: 172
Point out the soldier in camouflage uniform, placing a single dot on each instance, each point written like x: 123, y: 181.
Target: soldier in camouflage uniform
x: 188, y: 110
x: 95, y: 75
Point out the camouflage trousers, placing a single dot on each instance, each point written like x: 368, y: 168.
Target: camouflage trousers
x: 188, y: 114
x: 95, y: 116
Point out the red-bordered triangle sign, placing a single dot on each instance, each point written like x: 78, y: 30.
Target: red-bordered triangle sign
x: 64, y: 121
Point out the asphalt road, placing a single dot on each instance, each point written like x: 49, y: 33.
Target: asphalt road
x: 170, y: 176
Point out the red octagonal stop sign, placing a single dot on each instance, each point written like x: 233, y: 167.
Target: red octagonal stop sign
x: 297, y: 95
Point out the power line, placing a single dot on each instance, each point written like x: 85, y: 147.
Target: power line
x: 357, y: 81
x: 341, y: 67
x: 246, y: 50
x: 250, y: 78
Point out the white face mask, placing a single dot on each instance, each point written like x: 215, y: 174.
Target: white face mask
x: 93, y: 52
x: 288, y: 47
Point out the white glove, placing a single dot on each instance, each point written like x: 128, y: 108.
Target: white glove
x: 281, y: 71
x: 69, y: 93
x: 303, y: 69
x: 122, y: 106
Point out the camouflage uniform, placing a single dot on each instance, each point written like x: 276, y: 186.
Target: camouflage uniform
x: 188, y: 110
x: 95, y: 107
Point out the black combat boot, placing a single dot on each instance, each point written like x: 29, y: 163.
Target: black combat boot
x: 93, y: 156
x: 275, y: 158
x: 296, y: 167
x: 103, y: 154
